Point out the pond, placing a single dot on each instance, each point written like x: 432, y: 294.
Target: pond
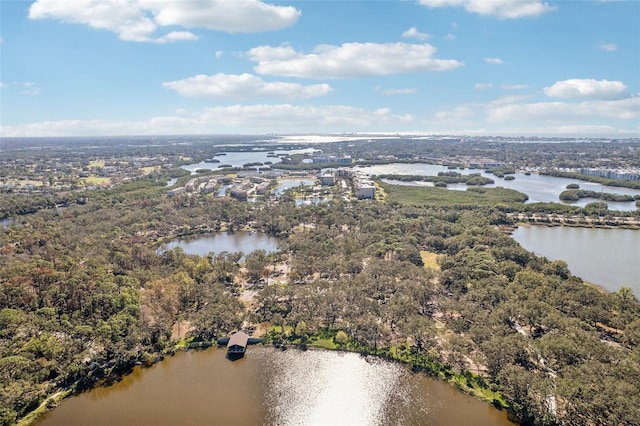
x: 203, y: 244
x: 271, y: 387
x: 607, y: 257
x: 284, y: 184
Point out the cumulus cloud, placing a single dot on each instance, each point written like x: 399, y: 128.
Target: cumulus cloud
x: 177, y: 36
x: 414, y: 33
x: 245, y: 16
x: 283, y: 118
x: 243, y: 86
x: 394, y: 91
x: 139, y: 20
x: 607, y: 47
x: 494, y: 61
x: 349, y: 60
x: 502, y: 9
x: 586, y: 88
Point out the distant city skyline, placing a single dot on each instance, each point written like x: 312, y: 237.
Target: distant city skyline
x: 457, y: 67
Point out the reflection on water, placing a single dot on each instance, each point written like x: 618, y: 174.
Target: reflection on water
x: 270, y: 387
x: 340, y: 389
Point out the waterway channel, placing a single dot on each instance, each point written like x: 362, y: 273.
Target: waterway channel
x: 607, y: 257
x: 271, y: 387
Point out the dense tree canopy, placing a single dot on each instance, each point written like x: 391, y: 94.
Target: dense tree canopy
x: 88, y: 290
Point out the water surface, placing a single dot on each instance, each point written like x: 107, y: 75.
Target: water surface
x: 539, y: 188
x: 203, y: 244
x: 239, y: 159
x: 284, y: 184
x: 270, y: 387
x: 607, y: 257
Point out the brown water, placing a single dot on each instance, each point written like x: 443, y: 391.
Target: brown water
x: 269, y: 387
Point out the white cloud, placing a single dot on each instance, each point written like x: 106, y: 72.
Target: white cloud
x: 483, y: 86
x: 586, y: 88
x: 502, y: 9
x: 219, y: 54
x: 243, y: 86
x: 3, y: 85
x: 245, y: 16
x: 494, y: 61
x: 414, y: 33
x: 177, y: 36
x: 349, y: 60
x: 623, y: 109
x: 139, y: 20
x: 607, y: 47
x: 282, y: 118
x: 393, y: 91
x: 514, y: 86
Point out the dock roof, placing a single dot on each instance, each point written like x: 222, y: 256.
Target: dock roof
x: 240, y: 338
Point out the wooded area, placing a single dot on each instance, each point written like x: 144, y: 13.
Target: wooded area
x: 85, y: 294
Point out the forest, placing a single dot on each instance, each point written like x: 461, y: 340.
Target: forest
x: 86, y: 294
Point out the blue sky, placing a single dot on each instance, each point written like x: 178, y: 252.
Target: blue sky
x: 465, y: 67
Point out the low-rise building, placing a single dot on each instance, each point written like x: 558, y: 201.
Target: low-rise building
x: 327, y: 179
x: 239, y: 193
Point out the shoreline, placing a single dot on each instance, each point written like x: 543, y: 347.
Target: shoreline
x: 457, y: 381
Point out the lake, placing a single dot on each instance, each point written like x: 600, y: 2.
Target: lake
x: 203, y: 244
x: 539, y: 188
x: 271, y: 387
x: 239, y: 159
x: 607, y: 257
